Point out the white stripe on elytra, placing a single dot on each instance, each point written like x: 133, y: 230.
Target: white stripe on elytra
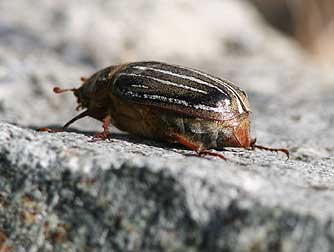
x: 165, y: 82
x: 139, y: 86
x: 175, y: 101
x: 157, y: 97
x: 186, y: 77
x: 225, y: 84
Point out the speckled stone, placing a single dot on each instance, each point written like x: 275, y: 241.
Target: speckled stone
x: 64, y: 192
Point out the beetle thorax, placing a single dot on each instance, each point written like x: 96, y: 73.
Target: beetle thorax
x: 94, y: 92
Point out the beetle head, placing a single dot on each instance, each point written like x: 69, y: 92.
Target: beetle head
x: 92, y: 95
x: 82, y: 94
x: 81, y: 102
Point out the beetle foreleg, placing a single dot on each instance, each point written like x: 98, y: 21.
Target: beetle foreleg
x: 182, y: 140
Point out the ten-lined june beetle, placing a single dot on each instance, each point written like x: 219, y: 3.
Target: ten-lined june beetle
x: 168, y: 102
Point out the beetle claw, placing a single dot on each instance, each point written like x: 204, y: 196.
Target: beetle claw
x: 101, y: 136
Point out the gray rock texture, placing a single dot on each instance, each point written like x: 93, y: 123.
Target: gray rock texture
x: 65, y: 192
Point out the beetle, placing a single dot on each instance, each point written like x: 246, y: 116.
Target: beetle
x: 168, y: 102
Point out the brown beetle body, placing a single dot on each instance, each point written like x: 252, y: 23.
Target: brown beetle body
x: 167, y: 102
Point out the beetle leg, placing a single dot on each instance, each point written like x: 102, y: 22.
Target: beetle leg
x: 286, y: 151
x: 253, y: 146
x: 182, y: 140
x: 105, y: 134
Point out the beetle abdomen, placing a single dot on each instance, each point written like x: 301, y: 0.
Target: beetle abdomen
x: 209, y: 133
x: 180, y: 89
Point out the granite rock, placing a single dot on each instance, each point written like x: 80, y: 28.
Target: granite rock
x: 65, y: 192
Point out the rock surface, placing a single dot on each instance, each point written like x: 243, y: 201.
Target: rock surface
x: 63, y: 192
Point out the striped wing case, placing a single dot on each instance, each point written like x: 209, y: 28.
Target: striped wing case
x: 179, y: 89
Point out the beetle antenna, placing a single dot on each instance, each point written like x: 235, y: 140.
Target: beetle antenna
x: 59, y: 90
x: 83, y: 114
